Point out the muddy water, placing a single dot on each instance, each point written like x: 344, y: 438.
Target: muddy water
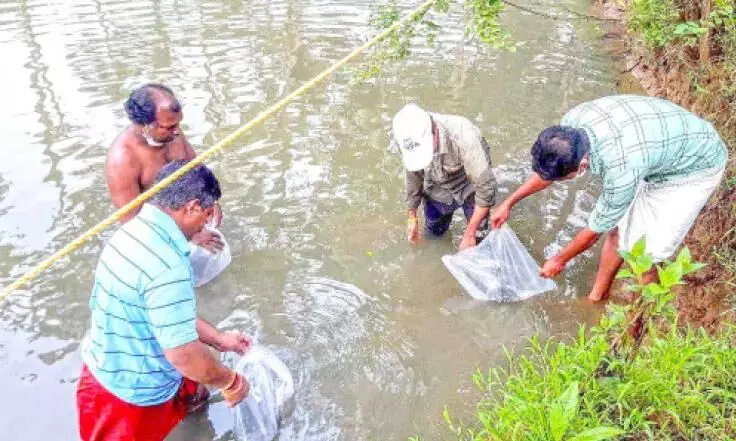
x: 379, y: 335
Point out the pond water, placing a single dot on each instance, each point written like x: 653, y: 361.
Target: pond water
x: 378, y: 334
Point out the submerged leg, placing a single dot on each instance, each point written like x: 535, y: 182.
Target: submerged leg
x: 437, y: 217
x: 607, y: 268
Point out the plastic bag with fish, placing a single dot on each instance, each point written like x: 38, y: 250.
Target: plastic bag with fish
x: 498, y: 269
x: 205, y: 265
x: 258, y: 417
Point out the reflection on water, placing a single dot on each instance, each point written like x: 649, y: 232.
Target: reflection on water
x: 378, y: 334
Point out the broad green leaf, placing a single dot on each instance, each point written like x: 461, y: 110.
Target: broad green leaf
x: 639, y: 248
x: 648, y: 294
x: 696, y: 267
x: 656, y: 288
x: 677, y: 271
x: 689, y: 28
x: 643, y: 264
x: 668, y: 276
x: 684, y: 256
x: 653, y: 292
x: 563, y: 411
x: 626, y: 255
x: 625, y: 274
x: 597, y: 434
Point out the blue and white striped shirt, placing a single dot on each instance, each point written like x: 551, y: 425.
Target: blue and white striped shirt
x: 142, y: 303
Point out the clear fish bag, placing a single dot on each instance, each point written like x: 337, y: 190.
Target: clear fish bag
x: 258, y: 417
x: 205, y: 265
x: 498, y: 269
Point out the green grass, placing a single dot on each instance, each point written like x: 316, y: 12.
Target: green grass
x: 681, y: 387
x: 637, y: 375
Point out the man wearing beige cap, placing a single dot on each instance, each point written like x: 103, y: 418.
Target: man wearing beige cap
x: 448, y: 166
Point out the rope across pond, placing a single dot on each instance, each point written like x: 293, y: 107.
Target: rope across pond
x: 220, y: 146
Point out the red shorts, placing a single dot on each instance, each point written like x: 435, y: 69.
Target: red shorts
x: 105, y: 417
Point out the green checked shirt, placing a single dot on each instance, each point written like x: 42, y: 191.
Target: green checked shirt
x: 640, y: 138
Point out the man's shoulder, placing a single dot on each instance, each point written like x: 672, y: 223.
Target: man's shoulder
x: 122, y: 151
x: 146, y: 246
x: 454, y: 120
x: 460, y: 128
x: 180, y: 149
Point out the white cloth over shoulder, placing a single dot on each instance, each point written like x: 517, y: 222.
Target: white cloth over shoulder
x: 498, y: 269
x: 205, y: 265
x: 258, y: 416
x: 665, y: 212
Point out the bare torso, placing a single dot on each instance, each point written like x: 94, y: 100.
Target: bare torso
x: 132, y: 165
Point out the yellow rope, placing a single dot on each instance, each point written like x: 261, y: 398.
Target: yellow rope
x: 97, y: 229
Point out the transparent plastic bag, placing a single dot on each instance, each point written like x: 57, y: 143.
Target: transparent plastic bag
x: 498, y: 269
x: 207, y: 266
x: 258, y: 416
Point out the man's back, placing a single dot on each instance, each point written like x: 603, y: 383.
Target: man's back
x: 463, y: 155
x: 142, y: 299
x: 655, y: 137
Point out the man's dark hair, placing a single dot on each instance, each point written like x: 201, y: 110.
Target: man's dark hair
x: 558, y: 152
x: 141, y: 104
x: 198, y: 183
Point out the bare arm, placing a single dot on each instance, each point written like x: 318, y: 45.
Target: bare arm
x: 208, y: 334
x: 189, y: 152
x: 585, y: 239
x: 414, y: 187
x: 475, y: 154
x: 222, y: 341
x: 479, y: 213
x: 534, y: 184
x: 122, y: 177
x: 195, y: 361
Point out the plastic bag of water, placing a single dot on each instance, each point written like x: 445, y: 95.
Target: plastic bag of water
x: 498, y: 269
x: 205, y: 265
x: 258, y: 416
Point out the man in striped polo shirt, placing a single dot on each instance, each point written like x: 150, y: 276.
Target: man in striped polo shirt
x: 659, y: 165
x: 146, y: 350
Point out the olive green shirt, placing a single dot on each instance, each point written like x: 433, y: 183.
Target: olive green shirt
x: 460, y: 168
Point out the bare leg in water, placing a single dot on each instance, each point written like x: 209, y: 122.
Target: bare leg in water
x: 607, y: 268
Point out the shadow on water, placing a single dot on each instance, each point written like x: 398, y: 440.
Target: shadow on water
x: 377, y: 333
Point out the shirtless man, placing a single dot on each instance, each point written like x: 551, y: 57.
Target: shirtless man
x: 152, y: 140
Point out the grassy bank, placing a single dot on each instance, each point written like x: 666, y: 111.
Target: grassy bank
x: 638, y: 375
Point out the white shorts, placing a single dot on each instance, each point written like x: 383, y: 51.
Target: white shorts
x: 665, y: 212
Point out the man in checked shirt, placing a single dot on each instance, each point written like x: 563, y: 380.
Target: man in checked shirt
x: 659, y: 165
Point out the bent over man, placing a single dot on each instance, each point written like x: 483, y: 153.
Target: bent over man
x: 658, y: 162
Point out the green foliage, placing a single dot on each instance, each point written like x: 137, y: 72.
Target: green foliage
x: 634, y: 376
x: 654, y: 20
x: 731, y: 183
x: 482, y: 24
x: 659, y: 24
x: 723, y: 15
x: 397, y: 44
